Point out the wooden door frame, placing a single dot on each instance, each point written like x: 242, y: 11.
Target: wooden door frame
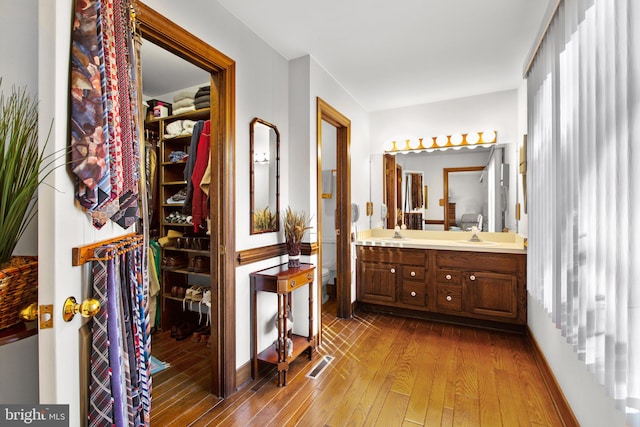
x: 161, y: 31
x: 326, y: 112
x: 445, y: 181
x: 389, y: 168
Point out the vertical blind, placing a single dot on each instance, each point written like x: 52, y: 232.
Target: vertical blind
x: 584, y: 195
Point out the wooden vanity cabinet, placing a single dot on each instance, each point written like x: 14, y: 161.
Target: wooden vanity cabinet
x: 392, y: 276
x: 481, y: 287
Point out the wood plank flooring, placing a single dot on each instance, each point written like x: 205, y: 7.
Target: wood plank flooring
x: 386, y: 371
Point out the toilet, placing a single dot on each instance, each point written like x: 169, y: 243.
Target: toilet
x: 326, y: 276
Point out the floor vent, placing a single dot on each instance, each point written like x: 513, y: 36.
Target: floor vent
x: 317, y: 370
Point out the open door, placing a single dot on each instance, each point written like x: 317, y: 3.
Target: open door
x: 326, y: 113
x: 61, y: 226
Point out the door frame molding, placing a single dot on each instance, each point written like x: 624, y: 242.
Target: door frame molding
x: 165, y: 33
x: 445, y: 190
x: 326, y: 112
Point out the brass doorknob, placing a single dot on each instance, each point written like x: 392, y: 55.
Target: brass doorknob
x: 88, y: 308
x: 29, y: 313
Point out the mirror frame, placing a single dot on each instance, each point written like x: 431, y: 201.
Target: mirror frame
x: 252, y: 185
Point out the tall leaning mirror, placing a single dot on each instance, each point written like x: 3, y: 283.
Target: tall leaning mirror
x: 265, y: 177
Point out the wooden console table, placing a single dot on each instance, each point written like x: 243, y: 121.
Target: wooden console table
x: 282, y: 280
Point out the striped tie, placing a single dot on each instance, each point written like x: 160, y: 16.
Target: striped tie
x: 101, y: 402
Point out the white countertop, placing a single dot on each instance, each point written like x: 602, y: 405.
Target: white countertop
x: 444, y: 240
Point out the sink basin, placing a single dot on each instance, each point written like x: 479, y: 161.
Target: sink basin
x: 470, y: 243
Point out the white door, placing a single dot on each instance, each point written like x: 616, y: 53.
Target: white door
x: 61, y: 225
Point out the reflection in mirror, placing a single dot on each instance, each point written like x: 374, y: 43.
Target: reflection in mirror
x: 463, y: 198
x: 265, y: 176
x: 413, y: 191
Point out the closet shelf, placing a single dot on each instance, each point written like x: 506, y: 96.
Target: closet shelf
x: 185, y: 271
x: 193, y: 251
x: 177, y: 224
x: 174, y: 183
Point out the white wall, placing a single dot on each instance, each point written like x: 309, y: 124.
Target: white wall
x: 19, y: 35
x: 309, y: 80
x: 19, y: 30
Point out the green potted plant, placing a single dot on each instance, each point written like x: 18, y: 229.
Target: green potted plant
x: 23, y: 166
x: 295, y: 224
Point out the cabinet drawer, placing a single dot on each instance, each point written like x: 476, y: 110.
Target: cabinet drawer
x: 501, y: 263
x: 413, y: 293
x: 449, y: 298
x: 298, y: 280
x: 392, y: 255
x: 413, y: 273
x: 448, y: 276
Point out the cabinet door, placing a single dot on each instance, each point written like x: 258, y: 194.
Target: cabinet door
x: 377, y: 282
x: 491, y: 294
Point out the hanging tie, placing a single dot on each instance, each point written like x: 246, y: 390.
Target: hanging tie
x: 101, y: 401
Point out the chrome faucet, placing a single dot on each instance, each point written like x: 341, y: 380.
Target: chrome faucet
x: 396, y: 233
x: 474, y: 234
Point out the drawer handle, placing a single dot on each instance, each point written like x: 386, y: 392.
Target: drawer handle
x: 413, y: 293
x: 293, y: 283
x: 413, y: 274
x: 449, y: 298
x: 393, y: 270
x: 309, y: 276
x: 472, y: 277
x: 448, y: 276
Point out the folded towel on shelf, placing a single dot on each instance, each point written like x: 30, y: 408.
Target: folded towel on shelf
x: 183, y: 103
x: 205, y: 90
x: 184, y: 109
x: 201, y: 105
x: 187, y: 94
x: 202, y: 98
x: 173, y: 128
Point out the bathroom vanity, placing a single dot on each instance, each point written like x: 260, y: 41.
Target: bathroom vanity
x: 443, y: 276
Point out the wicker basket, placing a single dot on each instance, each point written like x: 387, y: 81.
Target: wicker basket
x: 18, y: 288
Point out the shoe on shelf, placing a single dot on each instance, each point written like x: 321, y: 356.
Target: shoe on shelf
x: 201, y: 264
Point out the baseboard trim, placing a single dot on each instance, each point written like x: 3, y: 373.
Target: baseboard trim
x: 243, y: 374
x: 560, y: 402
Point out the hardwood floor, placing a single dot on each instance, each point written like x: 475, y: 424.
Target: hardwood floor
x: 387, y: 371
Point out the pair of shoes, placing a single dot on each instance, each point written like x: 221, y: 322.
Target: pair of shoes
x: 174, y: 261
x: 194, y: 293
x: 201, y: 264
x: 178, y: 291
x: 175, y: 327
x: 184, y: 331
x: 179, y: 197
x: 201, y: 335
x: 178, y: 218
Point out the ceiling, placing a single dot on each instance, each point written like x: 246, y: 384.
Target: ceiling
x: 395, y: 54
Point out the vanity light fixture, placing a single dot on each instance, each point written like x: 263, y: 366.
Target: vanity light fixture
x: 469, y: 140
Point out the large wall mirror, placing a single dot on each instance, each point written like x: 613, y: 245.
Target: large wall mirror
x: 265, y: 176
x: 462, y: 185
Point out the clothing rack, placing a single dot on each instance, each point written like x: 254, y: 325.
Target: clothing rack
x: 83, y: 254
